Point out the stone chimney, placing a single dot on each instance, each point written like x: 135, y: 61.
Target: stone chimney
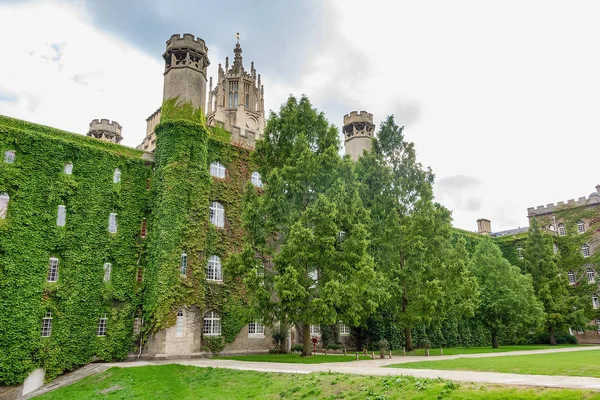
x: 484, y: 226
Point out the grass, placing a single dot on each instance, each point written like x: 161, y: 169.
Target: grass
x: 576, y: 363
x: 296, y: 359
x: 187, y: 382
x: 450, y: 351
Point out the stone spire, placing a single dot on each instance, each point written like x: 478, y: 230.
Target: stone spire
x: 237, y: 59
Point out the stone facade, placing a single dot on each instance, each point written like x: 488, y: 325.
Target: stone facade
x: 237, y: 102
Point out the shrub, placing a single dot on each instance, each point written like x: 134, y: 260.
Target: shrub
x: 214, y: 344
x: 278, y: 340
x: 297, y: 348
x: 333, y: 346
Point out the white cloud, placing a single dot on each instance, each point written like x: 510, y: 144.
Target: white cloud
x: 64, y: 73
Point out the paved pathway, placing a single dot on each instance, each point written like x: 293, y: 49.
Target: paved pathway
x: 368, y: 367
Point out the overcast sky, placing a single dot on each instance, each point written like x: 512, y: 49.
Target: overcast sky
x: 500, y: 97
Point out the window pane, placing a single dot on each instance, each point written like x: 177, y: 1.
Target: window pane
x: 68, y: 168
x: 62, y: 216
x: 9, y: 156
x: 107, y: 271
x: 117, y: 176
x: 4, y: 198
x: 112, y: 223
x: 53, y: 270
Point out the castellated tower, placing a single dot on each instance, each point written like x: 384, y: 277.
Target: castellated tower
x: 186, y: 61
x: 358, y: 131
x: 237, y: 102
x: 104, y: 129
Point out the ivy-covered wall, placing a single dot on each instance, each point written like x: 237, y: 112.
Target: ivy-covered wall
x: 29, y: 236
x: 182, y: 191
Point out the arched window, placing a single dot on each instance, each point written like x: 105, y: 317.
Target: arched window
x: 580, y: 226
x: 585, y: 250
x: 217, y: 170
x: 520, y: 252
x: 179, y: 324
x: 591, y: 275
x: 4, y: 198
x: 117, y: 176
x: 212, y: 324
x: 101, y: 331
x: 247, y: 100
x: 217, y: 214
x: 183, y: 266
x: 112, y: 222
x: 230, y: 99
x: 61, y: 218
x: 552, y: 228
x: 213, y: 269
x: 52, y: 270
x: 9, y: 156
x: 571, y: 276
x: 47, y: 325
x: 107, y: 271
x: 256, y: 181
x: 562, y: 231
x: 68, y: 168
x: 595, y: 302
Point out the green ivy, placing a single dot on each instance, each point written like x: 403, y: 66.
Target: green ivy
x: 29, y: 236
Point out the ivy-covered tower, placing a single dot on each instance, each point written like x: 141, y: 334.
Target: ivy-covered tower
x: 358, y: 131
x: 237, y: 103
x: 186, y: 60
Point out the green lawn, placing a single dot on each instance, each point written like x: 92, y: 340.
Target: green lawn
x: 476, y: 350
x: 186, y: 382
x: 576, y: 363
x: 296, y: 359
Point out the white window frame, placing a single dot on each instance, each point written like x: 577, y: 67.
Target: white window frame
x: 117, y: 175
x: 562, y: 229
x: 256, y: 330
x: 183, y: 264
x: 52, y: 270
x: 112, y: 222
x: 218, y: 170
x: 4, y: 200
x: 102, y: 323
x: 68, y: 169
x: 571, y: 276
x: 585, y: 250
x: 217, y: 214
x: 520, y: 252
x: 137, y: 326
x: 107, y: 271
x: 179, y: 324
x: 61, y: 217
x: 9, y: 156
x: 591, y: 275
x: 595, y: 301
x: 47, y: 325
x: 214, y: 269
x: 212, y: 324
x: 256, y: 179
x: 315, y: 330
x: 343, y: 329
x: 580, y: 226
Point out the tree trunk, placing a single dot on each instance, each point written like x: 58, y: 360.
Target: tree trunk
x: 306, y: 341
x: 408, y: 337
x: 552, y: 338
x: 494, y: 340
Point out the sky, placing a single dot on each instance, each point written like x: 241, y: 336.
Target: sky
x: 500, y: 98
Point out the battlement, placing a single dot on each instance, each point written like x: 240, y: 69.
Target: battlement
x: 105, y: 125
x: 593, y: 199
x: 187, y: 41
x: 358, y: 116
x: 105, y: 129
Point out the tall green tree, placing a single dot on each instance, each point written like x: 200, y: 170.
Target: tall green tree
x: 305, y: 259
x: 507, y: 296
x: 550, y: 284
x: 411, y: 233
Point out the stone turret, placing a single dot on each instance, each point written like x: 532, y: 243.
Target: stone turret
x: 358, y: 131
x: 104, y: 129
x: 237, y: 102
x: 186, y: 60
